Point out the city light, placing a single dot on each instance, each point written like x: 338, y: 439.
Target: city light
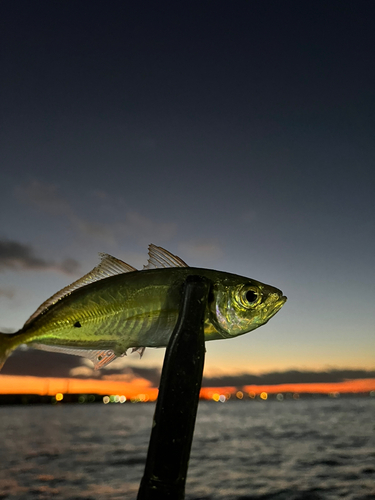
x: 88, y: 391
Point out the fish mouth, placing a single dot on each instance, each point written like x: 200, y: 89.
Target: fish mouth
x: 278, y: 304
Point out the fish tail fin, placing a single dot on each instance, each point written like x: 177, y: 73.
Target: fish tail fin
x: 7, y: 345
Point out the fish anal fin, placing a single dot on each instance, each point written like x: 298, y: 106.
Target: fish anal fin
x: 158, y: 257
x: 100, y: 358
x: 109, y: 266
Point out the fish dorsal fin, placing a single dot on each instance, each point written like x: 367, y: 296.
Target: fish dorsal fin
x: 109, y: 266
x: 100, y: 358
x: 159, y: 257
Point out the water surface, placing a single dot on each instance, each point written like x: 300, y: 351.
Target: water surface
x: 292, y: 450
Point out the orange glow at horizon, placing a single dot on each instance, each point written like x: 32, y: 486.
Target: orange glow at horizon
x: 349, y: 386
x: 10, y: 384
x: 41, y: 386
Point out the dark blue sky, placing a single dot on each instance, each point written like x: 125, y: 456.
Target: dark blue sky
x: 239, y: 135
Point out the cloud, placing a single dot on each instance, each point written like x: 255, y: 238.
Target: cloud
x: 47, y: 364
x: 33, y: 362
x: 47, y: 198
x: 136, y: 222
x: 133, y: 225
x: 15, y: 255
x: 83, y: 372
x: 67, y: 266
x: 287, y: 377
x: 8, y: 293
x: 150, y: 374
x: 39, y: 363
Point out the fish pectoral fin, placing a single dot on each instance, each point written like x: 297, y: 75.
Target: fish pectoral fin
x: 140, y: 350
x: 100, y: 358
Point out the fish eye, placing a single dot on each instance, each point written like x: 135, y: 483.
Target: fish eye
x: 249, y: 296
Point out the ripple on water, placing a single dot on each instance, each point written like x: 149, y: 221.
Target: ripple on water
x: 241, y: 451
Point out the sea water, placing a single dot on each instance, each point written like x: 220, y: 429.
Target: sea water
x: 308, y: 449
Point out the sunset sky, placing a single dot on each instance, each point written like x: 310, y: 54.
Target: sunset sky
x: 238, y: 135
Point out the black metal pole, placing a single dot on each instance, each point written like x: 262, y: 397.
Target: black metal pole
x: 174, y: 419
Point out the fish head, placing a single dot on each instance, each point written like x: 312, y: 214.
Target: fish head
x: 240, y: 305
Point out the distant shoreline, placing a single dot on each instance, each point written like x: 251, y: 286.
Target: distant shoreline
x: 65, y: 391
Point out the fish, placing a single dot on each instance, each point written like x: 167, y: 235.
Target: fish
x: 116, y: 307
